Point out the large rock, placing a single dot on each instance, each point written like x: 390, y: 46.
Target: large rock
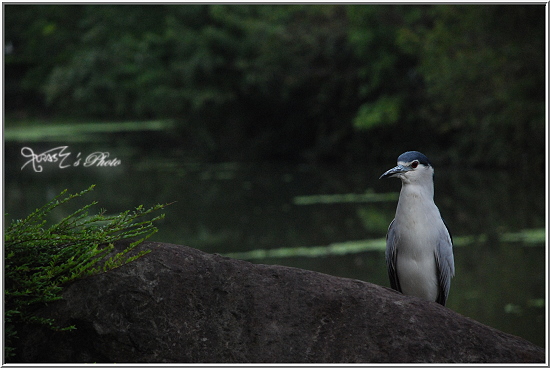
x: 178, y: 304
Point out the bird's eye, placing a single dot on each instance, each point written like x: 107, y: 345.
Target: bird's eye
x: 414, y: 164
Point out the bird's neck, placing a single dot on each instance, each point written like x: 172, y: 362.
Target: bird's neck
x: 415, y: 196
x: 420, y: 186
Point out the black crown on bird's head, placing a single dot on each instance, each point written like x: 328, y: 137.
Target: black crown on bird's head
x: 414, y: 155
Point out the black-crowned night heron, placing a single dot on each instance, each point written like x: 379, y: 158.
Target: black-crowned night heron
x: 419, y: 248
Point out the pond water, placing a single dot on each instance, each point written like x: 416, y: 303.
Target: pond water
x: 331, y: 219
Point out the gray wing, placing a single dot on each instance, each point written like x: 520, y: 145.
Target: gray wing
x: 445, y: 264
x: 391, y: 257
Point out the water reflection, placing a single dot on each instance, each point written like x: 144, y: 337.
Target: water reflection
x: 238, y: 207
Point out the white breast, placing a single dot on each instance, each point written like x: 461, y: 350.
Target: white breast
x: 417, y: 215
x: 417, y: 274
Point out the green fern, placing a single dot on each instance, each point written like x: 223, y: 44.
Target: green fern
x: 40, y: 260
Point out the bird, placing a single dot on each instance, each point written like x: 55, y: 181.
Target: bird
x: 419, y: 246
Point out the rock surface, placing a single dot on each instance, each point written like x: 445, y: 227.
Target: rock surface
x: 181, y: 305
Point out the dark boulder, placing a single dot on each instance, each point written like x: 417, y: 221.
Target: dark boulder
x: 181, y: 305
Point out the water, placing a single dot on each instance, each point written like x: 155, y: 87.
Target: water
x: 234, y: 208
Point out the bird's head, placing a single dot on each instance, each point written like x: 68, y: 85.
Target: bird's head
x: 412, y: 166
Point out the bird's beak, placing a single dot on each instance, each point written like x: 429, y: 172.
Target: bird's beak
x: 396, y: 170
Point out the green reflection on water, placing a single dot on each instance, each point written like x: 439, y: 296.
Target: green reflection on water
x: 528, y: 236
x: 315, y: 251
x: 36, y: 132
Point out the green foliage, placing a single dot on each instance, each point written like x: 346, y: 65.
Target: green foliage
x: 385, y: 110
x: 460, y: 79
x: 234, y: 76
x: 384, y: 69
x: 41, y: 259
x: 460, y: 73
x: 484, y: 80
